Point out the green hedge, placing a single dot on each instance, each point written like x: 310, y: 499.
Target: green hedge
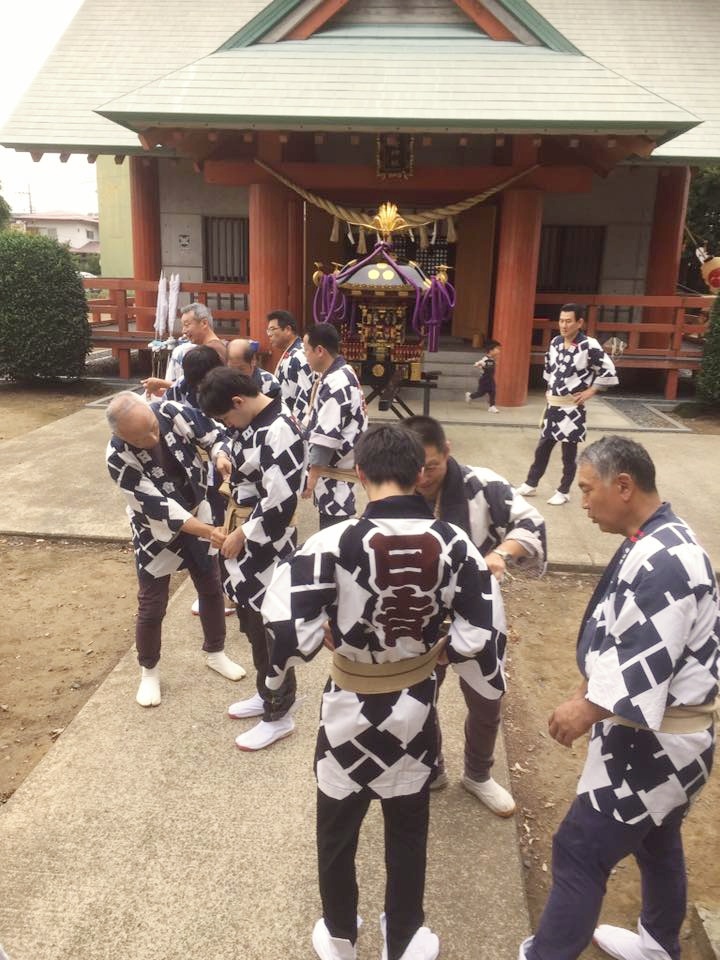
x: 709, y: 376
x: 44, y: 330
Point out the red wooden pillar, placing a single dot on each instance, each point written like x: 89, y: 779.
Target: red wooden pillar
x: 269, y: 232
x: 296, y: 259
x: 517, y: 260
x: 666, y: 243
x: 145, y: 211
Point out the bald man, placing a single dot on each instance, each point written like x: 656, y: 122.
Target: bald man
x: 242, y: 357
x: 153, y: 458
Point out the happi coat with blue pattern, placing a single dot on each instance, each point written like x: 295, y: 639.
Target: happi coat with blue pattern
x: 156, y: 506
x: 385, y: 581
x: 268, y: 474
x: 491, y: 511
x: 266, y: 383
x: 650, y: 639
x: 336, y: 419
x: 570, y: 370
x: 296, y: 378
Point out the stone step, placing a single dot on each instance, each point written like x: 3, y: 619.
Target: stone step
x: 457, y: 373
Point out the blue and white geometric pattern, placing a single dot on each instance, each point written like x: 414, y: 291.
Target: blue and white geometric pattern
x: 651, y: 641
x: 337, y: 418
x: 499, y: 513
x: 268, y: 474
x: 570, y: 370
x: 266, y: 383
x: 158, y: 504
x: 296, y: 379
x: 385, y: 582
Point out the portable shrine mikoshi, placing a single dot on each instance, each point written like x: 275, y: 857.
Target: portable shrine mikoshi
x: 387, y: 311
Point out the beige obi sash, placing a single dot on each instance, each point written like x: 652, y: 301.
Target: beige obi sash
x: 384, y: 677
x: 692, y: 719
x: 337, y: 473
x: 560, y: 401
x: 235, y: 515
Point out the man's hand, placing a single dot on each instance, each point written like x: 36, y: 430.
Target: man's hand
x: 573, y: 718
x: 443, y: 660
x: 218, y: 537
x: 155, y: 386
x: 223, y: 466
x: 327, y: 636
x: 313, y: 475
x: 584, y: 396
x: 234, y: 544
x: 496, y: 565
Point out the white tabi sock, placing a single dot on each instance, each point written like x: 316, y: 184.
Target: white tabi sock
x: 222, y: 664
x: 526, y: 943
x: 331, y: 948
x: 148, y: 694
x: 425, y: 945
x: 625, y: 945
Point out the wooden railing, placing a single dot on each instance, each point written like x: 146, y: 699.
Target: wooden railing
x: 660, y: 333
x: 122, y: 319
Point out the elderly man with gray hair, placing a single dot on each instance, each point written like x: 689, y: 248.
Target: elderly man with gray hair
x: 197, y: 326
x: 648, y: 651
x: 153, y: 456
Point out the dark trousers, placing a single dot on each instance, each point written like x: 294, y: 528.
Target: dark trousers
x: 542, y: 457
x: 586, y: 847
x: 406, y: 828
x: 481, y: 728
x: 327, y: 520
x: 484, y: 387
x: 276, y: 702
x: 153, y: 595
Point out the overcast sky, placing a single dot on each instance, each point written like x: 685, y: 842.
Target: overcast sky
x: 29, y: 30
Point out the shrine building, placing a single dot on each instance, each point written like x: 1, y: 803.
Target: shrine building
x: 242, y: 127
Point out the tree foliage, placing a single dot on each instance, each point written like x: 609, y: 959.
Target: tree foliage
x: 44, y: 330
x: 703, y: 221
x: 709, y: 377
x: 5, y: 212
x: 88, y: 262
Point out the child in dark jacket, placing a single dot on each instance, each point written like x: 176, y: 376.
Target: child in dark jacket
x: 486, y: 383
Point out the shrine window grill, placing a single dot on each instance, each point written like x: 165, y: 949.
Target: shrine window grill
x: 226, y: 249
x: 570, y: 259
x: 570, y: 262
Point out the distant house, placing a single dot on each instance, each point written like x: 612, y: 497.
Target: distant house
x: 81, y: 233
x: 598, y: 107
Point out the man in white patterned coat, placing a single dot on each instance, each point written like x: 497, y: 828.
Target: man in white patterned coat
x: 292, y: 370
x: 648, y: 651
x: 576, y: 369
x: 153, y: 458
x: 385, y: 581
x: 267, y: 453
x: 335, y: 421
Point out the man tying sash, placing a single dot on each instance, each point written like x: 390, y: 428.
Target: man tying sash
x: 267, y: 454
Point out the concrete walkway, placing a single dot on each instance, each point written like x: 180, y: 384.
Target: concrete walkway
x: 146, y: 834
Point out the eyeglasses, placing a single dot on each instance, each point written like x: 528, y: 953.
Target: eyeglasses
x: 272, y: 329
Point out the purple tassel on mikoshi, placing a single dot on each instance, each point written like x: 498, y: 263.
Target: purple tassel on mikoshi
x: 436, y: 309
x: 329, y: 302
